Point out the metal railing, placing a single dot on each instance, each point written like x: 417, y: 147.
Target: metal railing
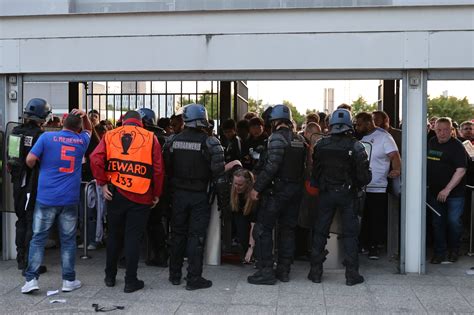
x: 85, y: 219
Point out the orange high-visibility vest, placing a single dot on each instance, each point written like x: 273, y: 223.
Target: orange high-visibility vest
x: 129, y: 158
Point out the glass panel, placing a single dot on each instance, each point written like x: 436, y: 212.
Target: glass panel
x: 118, y: 102
x: 148, y: 101
x: 204, y: 86
x: 159, y: 87
x: 189, y: 87
x: 140, y: 101
x: 174, y: 87
x: 143, y: 87
x: 125, y: 102
x: 133, y: 102
x: 129, y: 87
x: 103, y: 107
x: 114, y: 87
x: 95, y: 102
x: 99, y: 87
x: 110, y: 106
x: 170, y: 105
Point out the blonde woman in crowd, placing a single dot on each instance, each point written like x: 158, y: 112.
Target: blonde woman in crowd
x: 243, y: 210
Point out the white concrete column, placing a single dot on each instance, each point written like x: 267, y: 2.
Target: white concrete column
x: 11, y: 98
x: 413, y: 222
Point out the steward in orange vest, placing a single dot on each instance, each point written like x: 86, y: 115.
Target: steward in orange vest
x: 128, y: 165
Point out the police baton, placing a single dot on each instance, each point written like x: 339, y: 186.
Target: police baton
x: 433, y: 209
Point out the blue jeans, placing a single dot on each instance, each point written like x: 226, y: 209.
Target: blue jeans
x: 43, y: 219
x: 448, y: 224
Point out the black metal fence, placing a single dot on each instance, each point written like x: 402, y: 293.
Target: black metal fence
x: 112, y: 98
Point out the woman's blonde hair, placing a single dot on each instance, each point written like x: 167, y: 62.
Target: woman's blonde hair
x: 234, y: 196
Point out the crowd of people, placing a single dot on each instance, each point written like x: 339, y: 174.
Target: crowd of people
x: 159, y: 178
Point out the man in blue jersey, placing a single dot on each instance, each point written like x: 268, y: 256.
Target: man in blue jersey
x: 59, y: 155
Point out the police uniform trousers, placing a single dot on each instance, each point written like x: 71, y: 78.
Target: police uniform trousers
x: 189, y: 221
x: 279, y: 205
x: 126, y: 221
x: 157, y: 235
x: 24, y: 210
x: 329, y: 201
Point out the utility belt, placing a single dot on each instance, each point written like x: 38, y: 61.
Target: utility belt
x: 288, y: 180
x: 338, y: 188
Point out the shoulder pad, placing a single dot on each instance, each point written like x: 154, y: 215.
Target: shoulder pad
x: 277, y: 140
x: 212, y: 141
x: 171, y: 137
x: 358, y: 147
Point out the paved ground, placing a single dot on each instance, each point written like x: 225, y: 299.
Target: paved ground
x: 446, y: 289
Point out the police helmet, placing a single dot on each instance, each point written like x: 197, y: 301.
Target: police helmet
x: 280, y: 112
x: 195, y: 116
x: 37, y: 109
x: 340, y: 121
x: 148, y: 116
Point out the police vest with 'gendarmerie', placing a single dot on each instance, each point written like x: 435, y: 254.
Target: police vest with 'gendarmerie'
x: 129, y: 158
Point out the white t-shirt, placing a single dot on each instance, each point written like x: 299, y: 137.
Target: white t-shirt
x: 382, y: 144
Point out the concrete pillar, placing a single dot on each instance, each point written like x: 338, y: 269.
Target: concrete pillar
x: 413, y: 216
x: 11, y: 104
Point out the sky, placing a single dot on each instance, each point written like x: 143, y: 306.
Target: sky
x: 310, y: 94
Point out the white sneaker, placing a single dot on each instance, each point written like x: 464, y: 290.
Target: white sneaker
x: 80, y: 246
x: 69, y: 286
x: 30, y: 286
x: 91, y: 247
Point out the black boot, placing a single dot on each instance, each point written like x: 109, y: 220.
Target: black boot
x: 133, y: 286
x: 283, y: 270
x: 197, y: 283
x: 265, y: 275
x: 352, y: 275
x: 175, y: 278
x: 316, y: 272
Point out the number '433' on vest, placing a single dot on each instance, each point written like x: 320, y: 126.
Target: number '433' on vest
x: 129, y: 158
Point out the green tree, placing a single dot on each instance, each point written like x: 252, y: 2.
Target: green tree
x: 255, y: 106
x: 361, y: 105
x: 457, y: 109
x: 297, y: 116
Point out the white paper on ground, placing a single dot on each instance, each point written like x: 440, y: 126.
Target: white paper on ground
x: 53, y: 292
x: 57, y: 301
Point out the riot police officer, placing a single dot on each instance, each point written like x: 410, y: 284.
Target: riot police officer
x: 24, y: 179
x: 340, y: 170
x: 192, y: 160
x: 279, y: 184
x: 157, y: 236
